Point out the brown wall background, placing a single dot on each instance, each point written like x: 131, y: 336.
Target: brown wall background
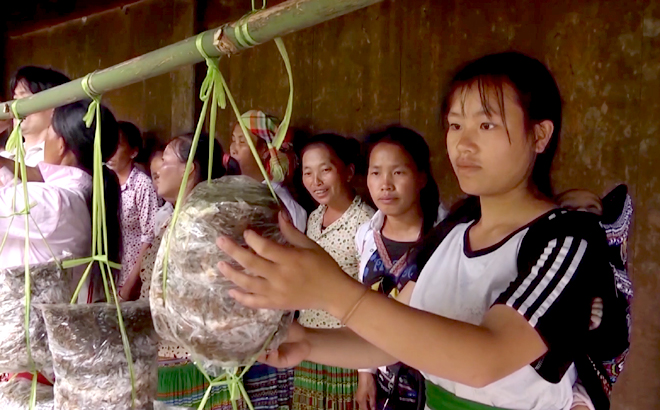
x: 389, y: 63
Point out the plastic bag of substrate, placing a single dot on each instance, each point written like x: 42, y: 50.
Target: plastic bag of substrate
x: 49, y: 284
x: 197, y: 313
x: 15, y: 395
x: 91, y: 370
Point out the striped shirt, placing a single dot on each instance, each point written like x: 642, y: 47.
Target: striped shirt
x: 546, y: 271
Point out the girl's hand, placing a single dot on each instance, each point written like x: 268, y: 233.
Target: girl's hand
x: 291, y: 352
x: 366, y: 392
x: 302, y: 276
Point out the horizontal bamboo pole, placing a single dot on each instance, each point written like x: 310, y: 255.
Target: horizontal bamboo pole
x: 264, y: 25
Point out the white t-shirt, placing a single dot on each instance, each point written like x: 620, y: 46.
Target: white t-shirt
x: 297, y: 212
x: 542, y: 276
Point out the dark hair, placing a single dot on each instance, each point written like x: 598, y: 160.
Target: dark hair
x: 182, y: 146
x: 344, y: 148
x: 79, y: 139
x: 538, y: 96
x: 132, y: 135
x: 37, y: 78
x: 418, y: 150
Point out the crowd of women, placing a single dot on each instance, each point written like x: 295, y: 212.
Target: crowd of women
x: 494, y: 304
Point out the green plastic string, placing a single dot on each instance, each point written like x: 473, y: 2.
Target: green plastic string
x: 211, y: 87
x: 100, y: 251
x: 232, y: 379
x: 15, y: 143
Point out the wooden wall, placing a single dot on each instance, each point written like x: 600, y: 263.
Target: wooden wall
x: 390, y: 64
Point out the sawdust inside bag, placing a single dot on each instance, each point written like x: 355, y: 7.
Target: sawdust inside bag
x: 91, y: 370
x: 15, y: 395
x: 198, y: 313
x: 49, y: 284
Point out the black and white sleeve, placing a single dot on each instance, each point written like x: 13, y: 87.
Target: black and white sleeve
x: 557, y: 263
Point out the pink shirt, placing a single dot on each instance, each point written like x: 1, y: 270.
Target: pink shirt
x: 139, y: 203
x: 58, y: 208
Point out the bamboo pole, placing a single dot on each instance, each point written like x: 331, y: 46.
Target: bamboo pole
x: 264, y: 25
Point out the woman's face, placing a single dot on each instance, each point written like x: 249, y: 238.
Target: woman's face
x: 124, y: 156
x: 393, y: 180
x: 33, y: 124
x: 325, y: 176
x: 170, y: 175
x: 154, y: 168
x: 487, y: 159
x: 240, y: 151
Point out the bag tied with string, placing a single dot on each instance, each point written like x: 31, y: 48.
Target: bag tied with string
x: 91, y: 370
x: 196, y: 310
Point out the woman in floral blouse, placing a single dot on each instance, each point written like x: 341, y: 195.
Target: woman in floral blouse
x: 328, y: 166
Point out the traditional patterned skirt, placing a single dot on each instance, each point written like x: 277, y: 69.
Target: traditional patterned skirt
x: 320, y: 387
x: 180, y: 383
x: 269, y: 388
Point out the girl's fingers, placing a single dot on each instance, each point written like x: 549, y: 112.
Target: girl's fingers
x: 252, y: 300
x: 293, y: 235
x: 249, y: 283
x: 248, y: 260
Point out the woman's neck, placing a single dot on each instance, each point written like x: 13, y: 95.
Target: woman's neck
x: 35, y: 139
x: 337, y: 207
x: 512, y: 210
x: 254, y: 173
x: 405, y: 227
x: 123, y: 174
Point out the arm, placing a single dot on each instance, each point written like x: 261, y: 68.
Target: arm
x: 130, y: 290
x: 306, y: 277
x: 33, y: 174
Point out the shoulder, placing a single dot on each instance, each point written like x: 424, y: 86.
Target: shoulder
x: 563, y: 223
x: 364, y: 211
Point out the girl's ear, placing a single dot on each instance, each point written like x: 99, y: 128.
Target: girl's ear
x: 542, y: 135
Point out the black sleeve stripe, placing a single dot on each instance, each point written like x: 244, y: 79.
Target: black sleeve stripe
x: 561, y: 285
x: 549, y: 275
x: 538, y: 272
x: 543, y: 263
x: 551, y: 283
x: 548, y: 278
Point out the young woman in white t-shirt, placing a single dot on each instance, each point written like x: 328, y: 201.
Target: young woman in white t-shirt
x: 500, y: 313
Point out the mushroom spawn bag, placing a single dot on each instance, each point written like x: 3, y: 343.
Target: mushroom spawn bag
x: 197, y: 312
x: 91, y: 370
x: 49, y: 284
x: 15, y: 395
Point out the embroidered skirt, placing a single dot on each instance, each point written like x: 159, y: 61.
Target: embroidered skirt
x: 320, y: 387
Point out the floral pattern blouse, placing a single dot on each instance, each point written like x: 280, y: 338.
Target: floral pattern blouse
x: 338, y: 240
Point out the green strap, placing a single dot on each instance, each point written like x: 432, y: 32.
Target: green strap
x: 438, y: 398
x: 100, y: 251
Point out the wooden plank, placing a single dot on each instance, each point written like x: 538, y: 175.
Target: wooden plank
x: 356, y: 72
x: 437, y: 38
x: 640, y: 382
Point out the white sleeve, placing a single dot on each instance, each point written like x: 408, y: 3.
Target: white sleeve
x: 360, y: 237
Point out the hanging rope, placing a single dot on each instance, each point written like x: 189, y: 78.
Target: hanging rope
x: 100, y: 251
x: 215, y: 87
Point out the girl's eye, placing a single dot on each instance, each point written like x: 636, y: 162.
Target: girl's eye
x: 454, y: 127
x: 326, y: 170
x: 487, y: 126
x: 373, y: 173
x: 306, y: 174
